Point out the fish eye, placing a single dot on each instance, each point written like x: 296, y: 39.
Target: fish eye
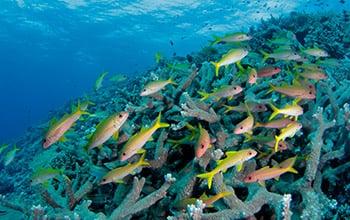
x: 280, y: 145
x: 310, y: 93
x: 241, y: 127
x: 249, y: 178
x: 104, y: 179
x: 202, y: 146
x: 259, y: 106
x: 295, y: 53
x: 120, y: 115
x: 234, y: 88
x: 250, y: 153
x: 124, y: 154
x: 276, y: 68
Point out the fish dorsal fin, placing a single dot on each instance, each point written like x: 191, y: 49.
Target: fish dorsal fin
x: 239, y: 167
x: 262, y: 183
x: 231, y: 153
x: 264, y: 168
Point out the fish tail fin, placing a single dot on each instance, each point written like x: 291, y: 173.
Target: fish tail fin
x: 257, y: 125
x: 272, y: 88
x: 248, y: 137
x: 216, y: 40
x: 265, y: 55
x: 229, y: 108
x: 204, y: 95
x: 209, y: 176
x: 226, y: 193
x: 160, y: 124
x: 142, y: 161
x: 275, y: 112
x: 288, y: 164
x: 277, y: 140
x: 216, y: 65
x: 171, y: 81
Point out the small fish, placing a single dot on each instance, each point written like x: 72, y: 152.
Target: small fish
x: 138, y: 140
x: 252, y: 107
x: 233, y: 158
x: 286, y: 132
x: 279, y: 123
x: 265, y: 140
x: 106, y: 129
x: 57, y: 129
x: 158, y: 57
x: 231, y: 38
x: 316, y: 52
x: 253, y: 76
x: 313, y: 74
x: 297, y: 90
x: 286, y: 55
x: 208, y: 201
x: 203, y: 142
x: 10, y: 155
x: 117, y: 175
x: 267, y: 173
x: 268, y: 71
x: 179, y: 66
x: 288, y: 110
x: 232, y: 56
x: 118, y: 78
x: 329, y: 62
x: 99, y: 81
x: 42, y: 175
x: 3, y: 147
x: 246, y: 125
x: 156, y: 86
x: 224, y: 92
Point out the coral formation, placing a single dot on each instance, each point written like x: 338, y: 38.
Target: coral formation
x: 320, y: 190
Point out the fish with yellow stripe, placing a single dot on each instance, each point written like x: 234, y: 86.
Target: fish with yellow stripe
x: 137, y: 141
x: 233, y: 158
x: 232, y: 56
x: 286, y: 132
x: 208, y: 201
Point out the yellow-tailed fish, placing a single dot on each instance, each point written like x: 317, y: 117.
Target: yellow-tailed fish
x: 203, y: 142
x: 286, y: 55
x: 232, y: 56
x: 3, y: 147
x: 106, y: 129
x: 232, y: 38
x: 279, y: 123
x: 138, y: 140
x: 155, y: 86
x: 252, y: 76
x: 296, y: 90
x: 117, y: 175
x: 158, y: 57
x: 286, y: 132
x: 10, y: 155
x: 265, y: 140
x: 57, y: 129
x: 224, y: 92
x: 118, y: 78
x: 246, y: 125
x: 208, y: 201
x: 267, y: 173
x: 233, y: 158
x: 288, y: 110
x: 179, y: 66
x: 42, y: 175
x: 252, y: 107
x: 316, y: 52
x: 99, y: 81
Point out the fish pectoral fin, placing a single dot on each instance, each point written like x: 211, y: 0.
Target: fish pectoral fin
x: 262, y: 183
x: 151, y: 139
x: 62, y: 139
x: 239, y: 167
x: 116, y: 135
x: 141, y: 151
x: 224, y: 171
x: 119, y: 181
x: 277, y: 178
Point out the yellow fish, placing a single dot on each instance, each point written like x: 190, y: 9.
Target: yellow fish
x: 232, y: 56
x: 42, y: 175
x: 208, y: 201
x: 106, y: 129
x: 137, y: 141
x: 232, y: 158
x: 156, y: 86
x: 117, y: 175
x: 231, y: 38
x: 99, y: 81
x: 227, y: 91
x: 288, y: 110
x: 267, y: 173
x: 286, y: 132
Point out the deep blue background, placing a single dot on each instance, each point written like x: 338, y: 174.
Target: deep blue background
x: 52, y: 52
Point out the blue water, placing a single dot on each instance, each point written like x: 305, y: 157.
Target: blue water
x: 52, y: 51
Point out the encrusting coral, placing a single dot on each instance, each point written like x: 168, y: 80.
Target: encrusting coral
x: 317, y: 187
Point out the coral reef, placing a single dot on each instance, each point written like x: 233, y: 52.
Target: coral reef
x: 320, y: 190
